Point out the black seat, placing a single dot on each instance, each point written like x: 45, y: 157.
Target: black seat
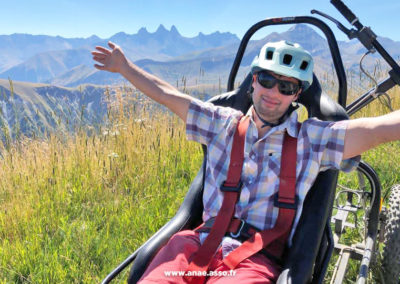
x: 306, y: 260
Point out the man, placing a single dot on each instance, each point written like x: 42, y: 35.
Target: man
x: 280, y: 73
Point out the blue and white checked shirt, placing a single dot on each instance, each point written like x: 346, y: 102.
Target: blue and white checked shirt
x: 319, y: 147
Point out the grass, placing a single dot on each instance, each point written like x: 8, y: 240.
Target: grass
x: 73, y: 207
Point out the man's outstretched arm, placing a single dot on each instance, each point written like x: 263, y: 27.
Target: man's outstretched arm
x: 115, y: 61
x: 366, y: 133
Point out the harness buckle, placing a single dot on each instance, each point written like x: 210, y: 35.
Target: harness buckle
x: 239, y: 231
x: 231, y: 188
x: 286, y: 205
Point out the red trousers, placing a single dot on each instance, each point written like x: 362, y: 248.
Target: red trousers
x: 175, y: 256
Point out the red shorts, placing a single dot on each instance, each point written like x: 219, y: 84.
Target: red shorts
x: 175, y: 256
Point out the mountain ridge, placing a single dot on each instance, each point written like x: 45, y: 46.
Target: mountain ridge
x: 169, y: 55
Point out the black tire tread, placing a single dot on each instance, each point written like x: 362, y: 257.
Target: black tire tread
x: 391, y: 251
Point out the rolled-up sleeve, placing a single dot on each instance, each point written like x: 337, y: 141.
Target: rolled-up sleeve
x: 327, y: 142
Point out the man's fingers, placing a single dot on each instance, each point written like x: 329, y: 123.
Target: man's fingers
x: 111, y: 44
x: 103, y: 50
x: 98, y: 54
x: 99, y: 59
x: 100, y: 67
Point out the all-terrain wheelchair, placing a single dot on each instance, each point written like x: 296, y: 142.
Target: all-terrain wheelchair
x: 314, y: 242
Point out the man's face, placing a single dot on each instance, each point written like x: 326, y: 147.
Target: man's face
x: 270, y: 104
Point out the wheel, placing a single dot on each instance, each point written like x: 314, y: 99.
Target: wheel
x: 391, y: 251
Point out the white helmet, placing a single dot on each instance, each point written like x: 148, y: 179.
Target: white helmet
x: 287, y: 59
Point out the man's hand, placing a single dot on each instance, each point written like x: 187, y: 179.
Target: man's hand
x: 112, y: 60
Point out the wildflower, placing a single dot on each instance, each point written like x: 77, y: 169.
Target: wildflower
x: 113, y: 155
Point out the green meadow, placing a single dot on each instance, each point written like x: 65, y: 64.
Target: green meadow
x: 72, y: 207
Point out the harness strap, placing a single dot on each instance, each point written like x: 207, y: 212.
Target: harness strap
x: 240, y: 230
x: 273, y: 239
x: 231, y: 187
x: 286, y: 201
x: 237, y: 228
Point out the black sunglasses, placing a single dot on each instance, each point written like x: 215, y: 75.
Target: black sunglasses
x: 268, y: 81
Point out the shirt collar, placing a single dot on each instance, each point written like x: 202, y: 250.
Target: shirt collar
x: 290, y: 124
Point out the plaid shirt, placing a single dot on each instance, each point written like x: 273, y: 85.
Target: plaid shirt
x: 319, y: 147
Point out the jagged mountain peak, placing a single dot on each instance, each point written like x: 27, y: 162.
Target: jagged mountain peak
x: 143, y: 30
x: 301, y: 28
x: 93, y: 37
x: 174, y: 30
x: 120, y: 35
x: 161, y: 29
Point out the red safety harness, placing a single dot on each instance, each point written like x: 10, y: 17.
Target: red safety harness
x: 271, y: 241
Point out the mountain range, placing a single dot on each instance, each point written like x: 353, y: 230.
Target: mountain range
x: 68, y: 62
x: 203, y: 59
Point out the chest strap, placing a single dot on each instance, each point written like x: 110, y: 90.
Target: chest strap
x: 231, y: 188
x: 275, y: 239
x: 285, y: 199
x: 240, y: 230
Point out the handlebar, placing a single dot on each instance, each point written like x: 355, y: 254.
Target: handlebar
x: 346, y: 12
x: 368, y: 38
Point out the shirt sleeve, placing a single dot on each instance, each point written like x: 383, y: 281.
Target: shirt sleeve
x: 205, y: 120
x: 327, y: 142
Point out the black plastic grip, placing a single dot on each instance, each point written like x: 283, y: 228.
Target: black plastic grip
x: 344, y: 10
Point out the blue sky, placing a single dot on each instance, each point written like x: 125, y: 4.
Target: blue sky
x: 82, y: 18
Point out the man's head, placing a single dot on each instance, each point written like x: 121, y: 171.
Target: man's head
x: 280, y: 72
x: 286, y: 59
